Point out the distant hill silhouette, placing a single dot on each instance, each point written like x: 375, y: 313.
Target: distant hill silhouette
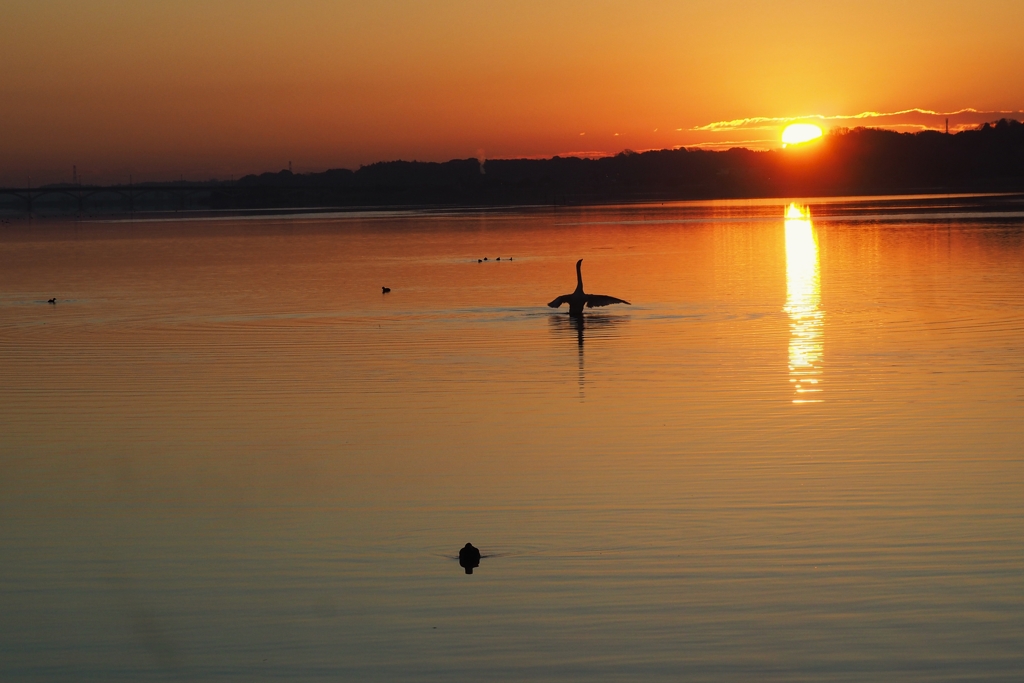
x: 843, y: 162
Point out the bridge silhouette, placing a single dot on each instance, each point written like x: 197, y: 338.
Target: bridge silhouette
x: 29, y: 197
x: 167, y: 196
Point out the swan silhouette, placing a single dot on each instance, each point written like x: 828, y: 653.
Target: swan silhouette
x: 578, y: 299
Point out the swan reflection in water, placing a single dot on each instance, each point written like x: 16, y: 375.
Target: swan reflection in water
x: 803, y: 305
x: 594, y: 325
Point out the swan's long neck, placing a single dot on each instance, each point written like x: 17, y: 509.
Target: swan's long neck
x: 579, y: 276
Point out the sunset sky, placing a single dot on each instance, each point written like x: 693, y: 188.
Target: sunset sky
x: 219, y: 89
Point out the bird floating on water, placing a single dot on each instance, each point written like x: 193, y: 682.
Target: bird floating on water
x: 578, y: 299
x: 385, y: 290
x: 469, y: 557
x: 51, y: 301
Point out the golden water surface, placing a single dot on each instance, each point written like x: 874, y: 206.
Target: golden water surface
x: 225, y: 454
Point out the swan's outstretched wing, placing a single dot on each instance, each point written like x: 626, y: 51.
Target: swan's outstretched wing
x: 564, y: 299
x: 602, y: 300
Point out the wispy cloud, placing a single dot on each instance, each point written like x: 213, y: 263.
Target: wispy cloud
x: 729, y: 144
x: 582, y: 154
x: 913, y: 119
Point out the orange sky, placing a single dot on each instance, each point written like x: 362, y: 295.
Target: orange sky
x: 219, y: 89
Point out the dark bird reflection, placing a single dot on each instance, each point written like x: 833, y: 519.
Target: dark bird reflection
x: 594, y: 325
x: 469, y: 558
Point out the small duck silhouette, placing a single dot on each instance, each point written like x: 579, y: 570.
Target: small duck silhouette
x: 469, y: 558
x: 385, y: 290
x: 578, y: 299
x: 51, y: 301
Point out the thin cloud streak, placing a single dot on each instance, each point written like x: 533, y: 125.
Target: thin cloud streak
x: 921, y: 119
x: 727, y: 144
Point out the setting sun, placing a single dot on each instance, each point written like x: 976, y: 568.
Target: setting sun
x: 796, y: 133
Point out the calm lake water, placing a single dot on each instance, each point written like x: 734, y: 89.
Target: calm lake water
x: 798, y: 456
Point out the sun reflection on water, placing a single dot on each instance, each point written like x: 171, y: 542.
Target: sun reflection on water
x: 803, y: 305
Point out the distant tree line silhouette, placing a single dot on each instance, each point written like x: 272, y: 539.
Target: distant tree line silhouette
x: 843, y: 162
x: 858, y: 161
